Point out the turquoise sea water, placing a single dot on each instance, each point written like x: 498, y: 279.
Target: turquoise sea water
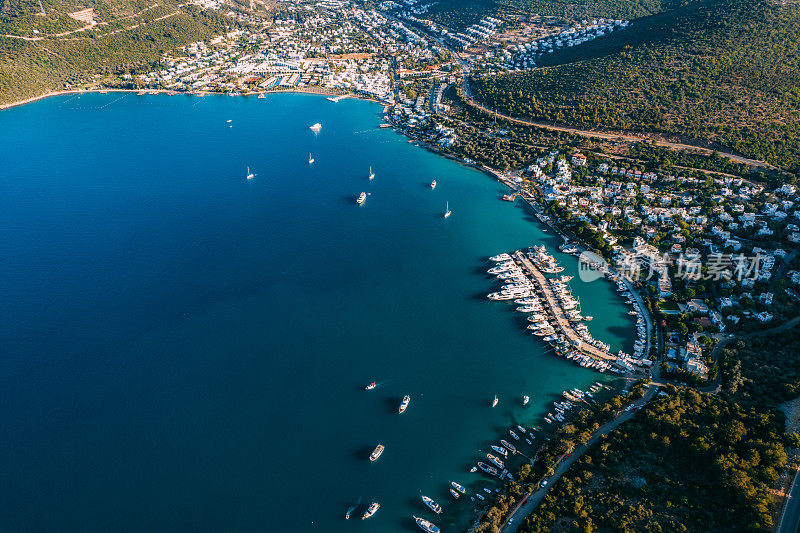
x: 185, y: 350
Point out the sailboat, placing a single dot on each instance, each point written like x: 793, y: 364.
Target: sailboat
x: 250, y: 175
x: 494, y: 402
x: 310, y: 160
x: 371, y: 173
x: 447, y: 212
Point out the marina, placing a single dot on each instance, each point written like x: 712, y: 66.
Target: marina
x: 556, y: 315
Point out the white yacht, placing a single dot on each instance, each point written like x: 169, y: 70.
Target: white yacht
x: 315, y: 127
x: 310, y: 160
x: 250, y: 175
x: 433, y: 184
x: 447, y: 212
x: 371, y: 174
x: 361, y: 198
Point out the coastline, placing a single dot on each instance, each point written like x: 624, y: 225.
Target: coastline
x: 150, y: 92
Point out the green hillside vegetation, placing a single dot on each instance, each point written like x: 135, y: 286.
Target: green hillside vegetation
x: 763, y: 371
x: 30, y: 68
x: 689, y: 462
x: 721, y: 72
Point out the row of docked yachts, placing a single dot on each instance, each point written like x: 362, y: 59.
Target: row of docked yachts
x: 639, y: 345
x: 544, y: 261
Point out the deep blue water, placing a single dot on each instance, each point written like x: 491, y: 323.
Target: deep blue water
x: 184, y: 350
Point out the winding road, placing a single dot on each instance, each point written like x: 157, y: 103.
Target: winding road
x: 527, y: 505
x: 465, y: 69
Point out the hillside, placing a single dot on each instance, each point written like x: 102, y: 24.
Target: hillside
x: 688, y: 462
x: 41, y: 53
x: 720, y: 72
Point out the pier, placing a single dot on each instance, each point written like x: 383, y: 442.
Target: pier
x: 558, y: 313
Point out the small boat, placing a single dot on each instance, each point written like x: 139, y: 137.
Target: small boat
x: 404, y: 404
x: 473, y: 469
x: 310, y: 160
x: 588, y: 318
x: 522, y: 429
x: 350, y: 510
x: 425, y: 525
x: 499, y: 449
x: 508, y: 446
x: 488, y: 469
x: 481, y: 497
x: 511, y: 432
x: 376, y: 452
x: 373, y: 508
x: 447, y: 212
x: 458, y: 487
x: 262, y: 95
x: 361, y: 198
x: 315, y: 127
x: 435, y: 507
x: 229, y: 120
x: 370, y: 386
x: 455, y: 494
x: 494, y: 402
x: 433, y: 184
x: 250, y: 175
x: 525, y: 400
x: 371, y: 174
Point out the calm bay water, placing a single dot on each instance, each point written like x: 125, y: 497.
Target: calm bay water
x: 182, y: 349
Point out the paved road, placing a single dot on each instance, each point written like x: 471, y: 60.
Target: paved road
x: 614, y: 136
x: 790, y: 518
x: 602, y: 135
x: 524, y: 509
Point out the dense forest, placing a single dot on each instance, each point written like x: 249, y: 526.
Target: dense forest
x: 763, y: 371
x: 721, y: 72
x: 29, y: 68
x: 687, y: 462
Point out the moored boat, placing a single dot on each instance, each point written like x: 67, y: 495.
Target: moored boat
x: 404, y: 404
x: 508, y: 446
x: 496, y: 461
x: 425, y: 525
x: 458, y: 487
x: 499, y: 449
x: 361, y: 198
x: 373, y: 508
x: 455, y: 494
x: 376, y: 452
x: 435, y: 507
x: 488, y: 469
